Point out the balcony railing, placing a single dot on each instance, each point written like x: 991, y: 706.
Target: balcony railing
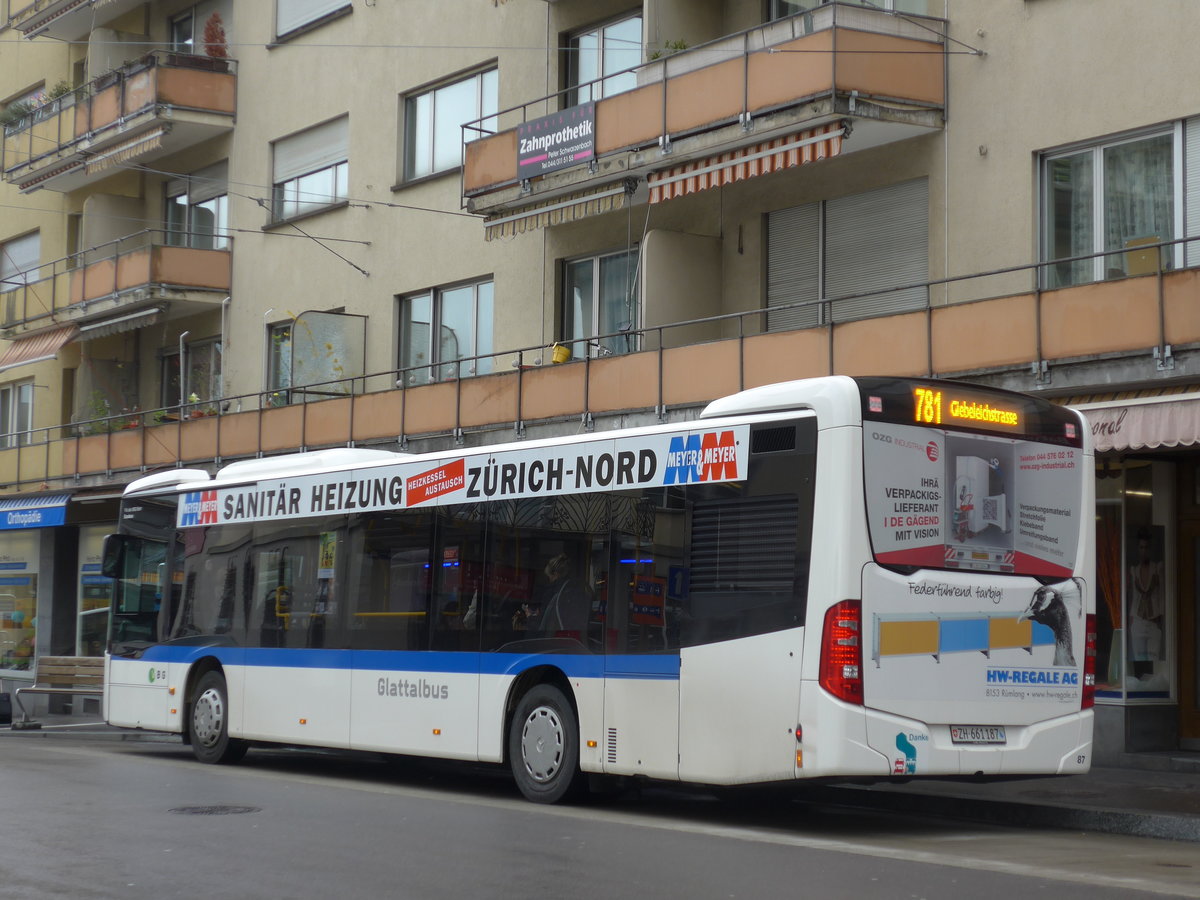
x: 1031, y: 333
x: 836, y: 61
x: 159, y: 104
x: 145, y: 266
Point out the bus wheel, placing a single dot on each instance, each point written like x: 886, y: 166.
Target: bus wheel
x: 209, y: 722
x: 543, y: 746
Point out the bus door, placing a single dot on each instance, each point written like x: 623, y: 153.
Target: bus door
x: 641, y: 638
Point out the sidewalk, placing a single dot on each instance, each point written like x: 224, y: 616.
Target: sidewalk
x: 1150, y: 795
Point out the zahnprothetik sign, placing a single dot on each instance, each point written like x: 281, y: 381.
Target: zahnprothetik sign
x: 561, y: 139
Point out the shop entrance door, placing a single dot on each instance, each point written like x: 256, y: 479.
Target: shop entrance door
x: 1189, y: 635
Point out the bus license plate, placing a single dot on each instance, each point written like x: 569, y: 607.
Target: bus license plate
x: 977, y: 734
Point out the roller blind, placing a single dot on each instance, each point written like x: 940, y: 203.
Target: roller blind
x: 312, y: 150
x: 793, y: 266
x: 291, y: 14
x: 202, y: 185
x: 18, y: 261
x: 1191, y: 144
x: 878, y: 240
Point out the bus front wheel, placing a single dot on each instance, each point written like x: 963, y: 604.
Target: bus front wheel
x: 543, y: 746
x: 209, y: 722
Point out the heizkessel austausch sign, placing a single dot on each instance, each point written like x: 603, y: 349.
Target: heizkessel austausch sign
x: 561, y: 139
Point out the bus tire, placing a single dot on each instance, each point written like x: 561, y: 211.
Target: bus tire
x: 543, y: 746
x: 208, y: 722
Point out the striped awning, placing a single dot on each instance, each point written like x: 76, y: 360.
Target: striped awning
x: 746, y: 162
x: 119, y: 324
x: 38, y: 348
x: 125, y: 151
x: 556, y: 212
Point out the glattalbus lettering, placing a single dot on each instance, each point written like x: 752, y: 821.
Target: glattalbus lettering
x: 418, y: 689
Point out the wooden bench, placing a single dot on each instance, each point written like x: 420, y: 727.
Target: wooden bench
x: 69, y: 675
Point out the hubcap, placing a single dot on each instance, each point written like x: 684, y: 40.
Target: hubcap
x: 542, y: 744
x: 208, y: 717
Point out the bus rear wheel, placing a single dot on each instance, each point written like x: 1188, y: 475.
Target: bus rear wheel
x: 543, y: 746
x: 208, y: 722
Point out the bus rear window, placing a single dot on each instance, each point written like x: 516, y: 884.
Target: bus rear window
x: 948, y: 499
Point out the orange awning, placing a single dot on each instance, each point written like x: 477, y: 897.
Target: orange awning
x: 37, y: 348
x: 746, y: 162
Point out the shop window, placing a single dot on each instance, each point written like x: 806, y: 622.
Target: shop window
x: 439, y: 328
x: 95, y: 591
x: 598, y: 57
x: 433, y: 120
x: 18, y: 599
x: 1115, y: 196
x: 311, y: 170
x: 601, y: 305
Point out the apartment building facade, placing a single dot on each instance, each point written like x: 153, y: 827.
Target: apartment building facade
x: 234, y: 229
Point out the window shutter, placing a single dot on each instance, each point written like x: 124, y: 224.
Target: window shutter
x: 312, y: 150
x: 878, y: 240
x: 291, y: 14
x: 201, y: 185
x: 793, y: 266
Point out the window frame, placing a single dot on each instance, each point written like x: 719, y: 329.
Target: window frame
x: 16, y: 426
x: 1100, y: 264
x: 484, y: 113
x: 17, y: 274
x: 579, y: 90
x: 278, y: 362
x: 322, y: 12
x: 218, y: 238
x: 286, y: 193
x: 437, y: 367
x: 169, y: 372
x: 608, y: 346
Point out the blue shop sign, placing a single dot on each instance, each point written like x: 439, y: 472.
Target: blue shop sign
x: 33, y: 512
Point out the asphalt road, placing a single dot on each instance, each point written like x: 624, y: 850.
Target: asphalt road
x: 99, y: 819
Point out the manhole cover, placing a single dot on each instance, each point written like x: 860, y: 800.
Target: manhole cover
x: 214, y: 810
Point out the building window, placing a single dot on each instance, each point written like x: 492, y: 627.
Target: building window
x: 183, y: 31
x: 197, y: 209
x: 279, y: 362
x: 601, y: 304
x: 201, y: 387
x: 847, y: 248
x: 311, y: 169
x: 433, y: 120
x: 1115, y: 196
x: 442, y: 326
x: 597, y: 58
x: 293, y: 14
x: 16, y: 414
x: 19, y: 260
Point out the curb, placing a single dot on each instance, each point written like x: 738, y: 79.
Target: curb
x: 1170, y: 826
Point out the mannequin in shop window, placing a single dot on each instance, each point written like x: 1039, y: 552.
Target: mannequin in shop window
x: 1147, y: 609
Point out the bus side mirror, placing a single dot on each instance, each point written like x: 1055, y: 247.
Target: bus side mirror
x: 110, y: 560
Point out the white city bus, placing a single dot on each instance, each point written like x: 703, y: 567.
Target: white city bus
x: 831, y: 578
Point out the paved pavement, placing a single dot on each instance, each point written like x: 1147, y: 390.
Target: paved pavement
x: 1149, y: 794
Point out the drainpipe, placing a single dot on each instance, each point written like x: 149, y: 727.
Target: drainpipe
x: 182, y: 374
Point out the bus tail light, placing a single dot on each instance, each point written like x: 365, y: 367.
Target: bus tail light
x: 841, y: 652
x: 1088, y: 699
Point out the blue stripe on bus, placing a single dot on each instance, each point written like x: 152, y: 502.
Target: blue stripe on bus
x: 659, y: 666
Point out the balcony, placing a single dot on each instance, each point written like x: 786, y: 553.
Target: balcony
x: 879, y: 76
x: 1066, y: 340
x: 127, y: 281
x: 161, y: 104
x: 66, y: 20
